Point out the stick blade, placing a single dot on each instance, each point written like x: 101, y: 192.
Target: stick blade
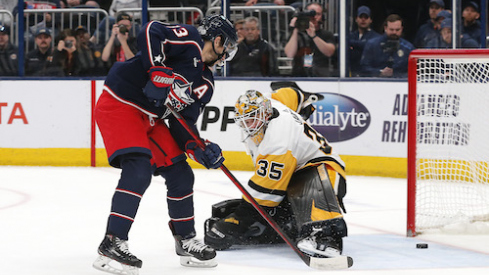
x: 341, y: 262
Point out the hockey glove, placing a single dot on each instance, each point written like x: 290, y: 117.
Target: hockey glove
x: 211, y: 157
x: 159, y: 85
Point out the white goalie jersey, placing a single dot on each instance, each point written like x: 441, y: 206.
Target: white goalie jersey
x: 289, y: 144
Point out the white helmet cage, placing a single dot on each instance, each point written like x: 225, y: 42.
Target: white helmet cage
x: 252, y: 112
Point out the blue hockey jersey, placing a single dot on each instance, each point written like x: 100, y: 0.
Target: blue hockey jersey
x: 160, y: 44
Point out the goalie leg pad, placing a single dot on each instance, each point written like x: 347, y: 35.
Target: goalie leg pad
x: 311, y: 196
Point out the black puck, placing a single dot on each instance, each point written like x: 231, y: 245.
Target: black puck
x: 421, y: 245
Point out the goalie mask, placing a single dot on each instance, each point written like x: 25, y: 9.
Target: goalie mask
x: 252, y: 113
x: 213, y: 26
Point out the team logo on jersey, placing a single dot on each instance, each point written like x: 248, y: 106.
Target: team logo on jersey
x: 181, y: 94
x: 339, y: 117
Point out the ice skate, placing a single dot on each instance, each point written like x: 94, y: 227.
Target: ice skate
x: 115, y: 257
x: 320, y: 246
x: 194, y: 253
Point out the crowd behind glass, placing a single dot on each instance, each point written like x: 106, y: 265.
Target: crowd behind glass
x: 292, y: 38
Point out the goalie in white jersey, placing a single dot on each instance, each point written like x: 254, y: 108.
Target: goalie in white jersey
x: 298, y: 179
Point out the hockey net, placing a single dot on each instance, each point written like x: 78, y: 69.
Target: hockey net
x: 448, y: 141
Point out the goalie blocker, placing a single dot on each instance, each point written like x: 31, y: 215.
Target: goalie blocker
x: 310, y: 215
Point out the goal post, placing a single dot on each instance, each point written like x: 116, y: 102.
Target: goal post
x: 448, y: 140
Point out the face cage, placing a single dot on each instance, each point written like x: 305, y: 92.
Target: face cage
x: 257, y: 118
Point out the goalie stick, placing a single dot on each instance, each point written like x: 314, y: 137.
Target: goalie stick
x: 340, y: 262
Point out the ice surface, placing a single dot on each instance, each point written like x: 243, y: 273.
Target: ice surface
x: 52, y: 219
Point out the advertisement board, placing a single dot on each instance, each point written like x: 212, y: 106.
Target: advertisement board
x: 50, y: 122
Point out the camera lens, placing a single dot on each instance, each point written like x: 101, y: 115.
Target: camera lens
x: 122, y: 29
x: 68, y: 43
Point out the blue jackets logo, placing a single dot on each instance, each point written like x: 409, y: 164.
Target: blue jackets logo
x: 339, y: 117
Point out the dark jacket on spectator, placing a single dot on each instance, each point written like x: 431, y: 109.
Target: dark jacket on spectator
x: 39, y: 64
x: 424, y: 34
x: 439, y: 43
x: 473, y: 31
x: 376, y: 56
x: 9, y: 61
x: 90, y: 62
x: 258, y: 59
x: 357, y: 45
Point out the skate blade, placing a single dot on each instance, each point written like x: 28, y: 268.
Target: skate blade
x: 106, y: 264
x: 194, y: 262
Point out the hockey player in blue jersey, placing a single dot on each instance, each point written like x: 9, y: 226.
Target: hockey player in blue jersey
x: 143, y: 138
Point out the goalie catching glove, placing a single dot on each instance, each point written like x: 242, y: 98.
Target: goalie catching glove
x: 210, y: 157
x: 165, y: 88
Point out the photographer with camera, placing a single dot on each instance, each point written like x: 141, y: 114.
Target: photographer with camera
x: 309, y: 45
x: 387, y: 55
x: 121, y: 45
x: 65, y: 53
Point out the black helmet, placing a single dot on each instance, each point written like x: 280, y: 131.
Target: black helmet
x: 216, y: 25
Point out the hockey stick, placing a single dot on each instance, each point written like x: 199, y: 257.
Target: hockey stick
x: 340, y: 262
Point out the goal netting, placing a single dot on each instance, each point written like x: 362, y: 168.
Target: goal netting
x: 448, y: 141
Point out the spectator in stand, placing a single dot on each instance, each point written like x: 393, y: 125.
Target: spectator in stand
x: 121, y: 45
x: 359, y: 38
x: 66, y: 54
x: 75, y: 3
x: 8, y: 54
x: 471, y: 25
x: 442, y: 15
x: 99, y: 35
x: 39, y: 62
x: 37, y: 21
x: 239, y: 26
x: 312, y: 48
x: 429, y: 31
x: 387, y: 55
x: 89, y: 55
x: 255, y: 56
x: 445, y: 40
x: 437, y: 41
x: 446, y: 34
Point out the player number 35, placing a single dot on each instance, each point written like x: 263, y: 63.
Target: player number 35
x: 275, y: 172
